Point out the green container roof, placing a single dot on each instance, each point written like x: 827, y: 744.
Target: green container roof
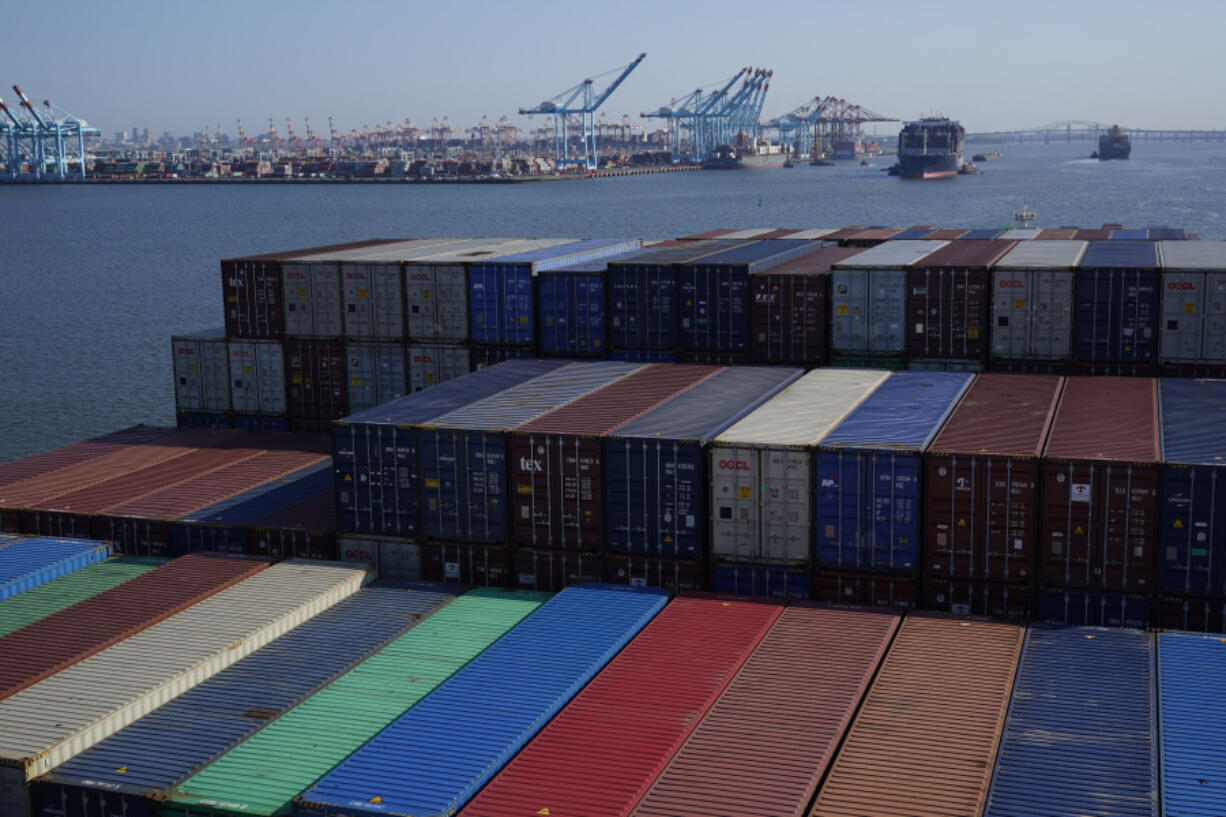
x: 262, y: 775
x: 32, y: 605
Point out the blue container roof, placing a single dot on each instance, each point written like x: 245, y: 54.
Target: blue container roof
x: 1167, y: 234
x: 1130, y: 235
x: 437, y: 755
x: 600, y: 264
x: 1129, y: 254
x: 166, y: 746
x: 683, y: 253
x: 1192, y: 424
x: 541, y: 256
x: 913, y: 234
x: 903, y: 414
x: 27, y: 563
x: 760, y: 254
x: 270, y: 498
x: 980, y: 234
x: 702, y: 411
x: 1081, y: 733
x: 453, y: 394
x: 1192, y: 714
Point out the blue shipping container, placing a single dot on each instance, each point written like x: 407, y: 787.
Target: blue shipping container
x: 27, y: 563
x: 1130, y: 235
x: 571, y: 313
x: 1095, y: 608
x: 870, y: 473
x: 774, y: 581
x: 126, y: 773
x: 1081, y: 737
x: 713, y: 293
x: 913, y: 234
x: 1191, y: 676
x: 1115, y: 315
x: 374, y: 452
x: 643, y: 355
x: 982, y: 233
x: 1193, y: 433
x: 260, y: 422
x: 500, y: 290
x: 1167, y: 234
x: 656, y: 466
x: 437, y: 755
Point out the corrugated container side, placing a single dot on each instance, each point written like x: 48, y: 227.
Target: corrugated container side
x: 790, y: 310
x: 28, y: 563
x: 571, y: 313
x: 376, y: 374
x: 948, y: 305
x: 305, y: 531
x: 1117, y: 303
x: 1196, y: 614
x: 1095, y: 608
x: 432, y: 365
x: 868, y: 298
x: 475, y: 564
x: 257, y: 377
x: 845, y: 587
x: 68, y: 590
x: 1032, y: 301
x: 202, y: 372
x: 552, y: 569
x: 766, y: 581
x: 672, y: 574
x: 1193, y: 323
x: 967, y: 597
x: 1191, y: 671
x: 317, y: 383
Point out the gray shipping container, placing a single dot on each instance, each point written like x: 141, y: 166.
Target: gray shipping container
x: 202, y: 372
x: 372, y: 287
x: 257, y: 377
x: 1032, y: 300
x: 394, y: 558
x: 868, y: 298
x: 312, y: 299
x: 431, y: 365
x: 1193, y: 326
x: 376, y: 374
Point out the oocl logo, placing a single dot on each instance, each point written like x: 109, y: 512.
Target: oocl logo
x: 358, y: 554
x: 1012, y: 285
x: 354, y: 276
x: 1182, y: 285
x: 733, y: 465
x: 419, y: 276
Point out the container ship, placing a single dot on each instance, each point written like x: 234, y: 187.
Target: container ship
x: 748, y: 153
x: 930, y: 148
x: 1114, y: 144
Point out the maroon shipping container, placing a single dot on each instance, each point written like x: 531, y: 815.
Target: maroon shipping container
x: 556, y: 460
x: 981, y: 480
x: 1100, y: 234
x: 980, y: 598
x: 1101, y: 485
x: 788, y: 318
x: 866, y: 589
x: 50, y: 644
x: 868, y: 238
x: 552, y: 570
x: 47, y: 462
x: 1058, y: 233
x: 1194, y: 614
x: 947, y: 301
x: 671, y: 574
x: 317, y: 379
x: 846, y: 233
x: 467, y: 563
x: 305, y: 531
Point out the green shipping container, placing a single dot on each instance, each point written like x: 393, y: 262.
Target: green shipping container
x: 42, y: 601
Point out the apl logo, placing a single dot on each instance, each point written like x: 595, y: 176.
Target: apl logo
x: 1012, y: 285
x: 1184, y: 285
x: 764, y: 297
x: 733, y: 465
x: 526, y: 464
x: 830, y: 483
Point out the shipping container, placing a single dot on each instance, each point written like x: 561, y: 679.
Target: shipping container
x: 670, y: 573
x: 795, y: 695
x: 602, y: 752
x: 1093, y: 234
x: 1120, y: 234
x: 948, y: 306
x: 1116, y: 307
x: 981, y: 234
x: 1197, y: 614
x: 128, y: 772
x: 1191, y: 672
x: 436, y: 756
x: 1019, y: 234
x: 551, y: 569
x: 374, y: 452
x: 311, y: 293
x: 769, y: 581
x: 914, y: 233
x: 789, y: 309
x: 30, y: 562
x: 317, y: 383
x: 842, y: 234
x: 327, y: 727
x: 1081, y: 737
x: 395, y: 559
x: 868, y: 298
x: 482, y: 356
x: 950, y: 234
x: 982, y: 480
x: 655, y: 466
x: 1167, y: 234
x: 572, y: 308
x: 1193, y: 325
x: 67, y: 590
x: 465, y: 496
x: 925, y: 738
x: 1057, y: 233
x: 748, y: 233
x: 762, y: 469
x: 202, y: 373
x: 1095, y: 608
x: 967, y: 597
x: 870, y: 238
x: 869, y: 498
x: 556, y: 461
x: 1100, y: 486
x: 713, y: 293
x: 1032, y: 301
x: 643, y: 356
x: 376, y: 374
x: 257, y: 377
x: 844, y: 587
x: 472, y: 563
x: 63, y: 716
x: 305, y: 531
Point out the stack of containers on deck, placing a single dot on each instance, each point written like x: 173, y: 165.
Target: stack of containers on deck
x: 28, y: 563
x: 656, y: 519
x: 572, y: 308
x: 1192, y: 720
x: 1192, y: 543
x: 1100, y: 503
x: 868, y: 298
x: 1116, y: 308
x: 1193, y: 326
x: 1032, y: 306
x: 870, y: 490
x: 714, y: 298
x: 843, y: 234
x: 762, y: 483
x: 981, y: 496
x: 948, y: 305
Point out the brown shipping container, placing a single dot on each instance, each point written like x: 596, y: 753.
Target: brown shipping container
x: 1101, y: 485
x: 981, y: 488
x: 1058, y: 233
x: 870, y: 238
x: 317, y: 379
x: 552, y: 570
x: 765, y: 744
x: 788, y: 318
x: 467, y: 563
x: 866, y: 589
x: 671, y: 574
x: 845, y: 233
x: 1096, y: 234
x: 46, y: 462
x: 947, y: 301
x: 305, y: 531
x: 556, y: 460
x: 980, y: 598
x: 925, y: 738
x: 50, y: 644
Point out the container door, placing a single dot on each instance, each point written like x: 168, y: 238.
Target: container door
x: 734, y: 502
x: 589, y: 324
x: 1190, y: 536
x: 552, y: 314
x: 849, y: 303
x: 768, y: 317
x: 431, y: 365
x: 805, y: 305
x: 360, y: 359
x: 887, y: 311
x: 840, y: 528
x: 399, y: 560
x: 1183, y: 319
x: 695, y: 305
x: 1095, y: 290
x: 244, y: 394
x: 270, y: 374
x: 731, y: 315
x: 297, y: 299
x: 892, y: 511
x: 358, y: 292
x: 954, y: 492
x: 421, y: 301
x: 326, y: 301
x: 1124, y: 549
x: 1138, y: 311
x: 630, y: 495
x: 1015, y: 305
x: 786, y: 505
x: 1214, y: 348
x: 679, y: 506
x: 1050, y: 307
x: 1069, y: 494
x: 451, y: 294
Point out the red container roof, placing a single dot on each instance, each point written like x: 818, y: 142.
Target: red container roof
x: 875, y: 234
x: 1106, y: 418
x: 49, y: 461
x: 1102, y: 234
x: 1058, y: 233
x: 1001, y: 414
x: 813, y: 263
x: 846, y: 232
x: 970, y: 253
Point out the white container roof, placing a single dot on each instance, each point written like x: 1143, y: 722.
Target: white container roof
x: 808, y: 410
x: 891, y: 255
x: 1192, y: 255
x: 1043, y: 254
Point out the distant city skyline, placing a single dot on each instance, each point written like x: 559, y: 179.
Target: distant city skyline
x: 181, y: 69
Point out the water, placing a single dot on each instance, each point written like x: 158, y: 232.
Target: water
x: 98, y: 278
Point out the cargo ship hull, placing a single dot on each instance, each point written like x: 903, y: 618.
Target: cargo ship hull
x: 929, y: 167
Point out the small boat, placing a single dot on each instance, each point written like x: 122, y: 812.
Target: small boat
x: 984, y: 157
x: 788, y: 163
x: 1025, y: 215
x: 819, y: 162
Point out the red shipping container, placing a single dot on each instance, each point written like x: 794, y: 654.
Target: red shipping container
x: 1101, y: 485
x: 981, y: 481
x: 947, y: 301
x: 1057, y: 233
x: 598, y: 756
x: 317, y: 382
x: 556, y: 460
x: 466, y: 563
x: 866, y: 589
x: 788, y: 317
x: 765, y: 744
x: 980, y: 598
x: 1193, y: 614
x: 674, y: 575
x: 552, y: 570
x: 50, y: 644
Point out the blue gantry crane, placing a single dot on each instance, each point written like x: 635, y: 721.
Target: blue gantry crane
x: 689, y: 119
x: 40, y: 145
x: 579, y: 101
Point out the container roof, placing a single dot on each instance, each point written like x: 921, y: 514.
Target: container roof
x: 914, y: 233
x: 1006, y: 415
x: 982, y: 233
x: 759, y: 254
x: 1106, y: 419
x: 1193, y: 424
x: 1057, y: 233
x: 1043, y: 254
x: 1141, y: 234
x: 572, y: 251
x: 683, y: 253
x: 1193, y: 255
x: 966, y: 254
x: 948, y: 234
x: 904, y: 413
x: 1112, y: 254
x: 599, y: 264
x: 1019, y: 234
x: 806, y: 411
x: 813, y: 263
x: 891, y: 254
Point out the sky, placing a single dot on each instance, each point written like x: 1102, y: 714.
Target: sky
x: 995, y: 66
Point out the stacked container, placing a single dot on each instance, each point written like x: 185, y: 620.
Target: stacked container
x: 202, y: 379
x: 1191, y: 672
x: 1193, y: 325
x: 1032, y: 306
x: 1116, y: 308
x: 28, y: 563
x: 572, y: 310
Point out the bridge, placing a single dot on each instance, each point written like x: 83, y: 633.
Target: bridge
x: 1081, y: 130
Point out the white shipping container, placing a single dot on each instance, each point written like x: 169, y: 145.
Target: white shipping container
x: 376, y: 374
x: 1193, y: 326
x: 373, y: 301
x: 202, y: 372
x: 868, y: 298
x: 257, y: 376
x: 312, y: 299
x: 761, y: 487
x: 431, y: 365
x: 46, y: 724
x: 394, y: 558
x: 1032, y: 300
x: 436, y: 301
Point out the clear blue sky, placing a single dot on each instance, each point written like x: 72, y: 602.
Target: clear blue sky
x: 179, y: 66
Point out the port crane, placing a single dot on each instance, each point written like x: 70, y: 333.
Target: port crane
x: 580, y: 100
x: 827, y: 120
x: 49, y: 145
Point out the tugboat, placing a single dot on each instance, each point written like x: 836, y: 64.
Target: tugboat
x: 930, y: 148
x: 749, y: 152
x: 1114, y: 144
x: 1025, y: 215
